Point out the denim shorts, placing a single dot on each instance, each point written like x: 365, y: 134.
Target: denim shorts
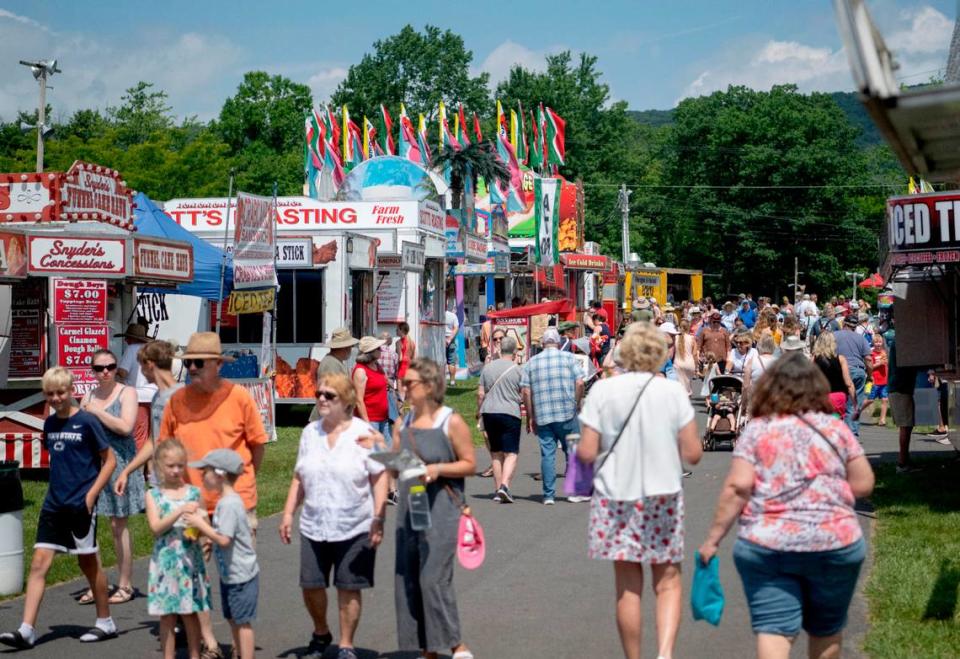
x: 787, y: 591
x: 878, y: 391
x: 239, y: 600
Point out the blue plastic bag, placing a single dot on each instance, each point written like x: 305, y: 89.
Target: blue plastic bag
x: 706, y: 593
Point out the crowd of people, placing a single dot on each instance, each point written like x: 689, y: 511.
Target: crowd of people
x: 796, y: 471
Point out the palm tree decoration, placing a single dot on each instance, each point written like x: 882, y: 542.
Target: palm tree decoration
x: 476, y: 160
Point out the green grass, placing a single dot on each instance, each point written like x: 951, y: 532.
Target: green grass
x: 272, y: 483
x: 914, y: 586
x: 462, y: 397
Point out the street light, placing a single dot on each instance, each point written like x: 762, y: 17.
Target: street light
x: 42, y: 69
x: 855, y: 275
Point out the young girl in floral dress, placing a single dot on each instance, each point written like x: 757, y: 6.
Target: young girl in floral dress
x: 178, y: 583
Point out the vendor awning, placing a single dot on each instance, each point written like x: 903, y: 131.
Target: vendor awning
x: 150, y: 220
x: 564, y: 306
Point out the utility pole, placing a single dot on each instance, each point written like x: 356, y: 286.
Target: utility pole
x: 623, y: 200
x: 41, y: 70
x: 855, y: 275
x: 796, y: 279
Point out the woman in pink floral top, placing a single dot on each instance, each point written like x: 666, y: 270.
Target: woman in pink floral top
x: 793, y: 481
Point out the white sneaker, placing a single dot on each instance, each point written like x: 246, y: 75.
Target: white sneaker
x: 577, y: 499
x: 548, y: 502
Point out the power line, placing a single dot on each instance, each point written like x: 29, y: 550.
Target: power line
x: 743, y: 187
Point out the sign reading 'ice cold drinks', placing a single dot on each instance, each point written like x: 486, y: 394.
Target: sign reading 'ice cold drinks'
x: 926, y: 226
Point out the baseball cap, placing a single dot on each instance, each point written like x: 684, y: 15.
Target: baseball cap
x: 851, y: 320
x: 224, y: 459
x: 471, y: 547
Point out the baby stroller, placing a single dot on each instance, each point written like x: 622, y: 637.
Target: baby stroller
x: 723, y: 411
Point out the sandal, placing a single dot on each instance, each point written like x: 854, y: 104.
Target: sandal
x: 88, y: 598
x: 121, y: 595
x: 210, y: 653
x: 95, y: 635
x: 15, y: 640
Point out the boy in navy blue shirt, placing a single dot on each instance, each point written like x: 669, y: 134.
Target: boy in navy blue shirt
x: 81, y: 463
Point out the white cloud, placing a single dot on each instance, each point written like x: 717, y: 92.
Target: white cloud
x: 325, y: 81
x: 919, y: 38
x: 509, y: 54
x: 188, y: 66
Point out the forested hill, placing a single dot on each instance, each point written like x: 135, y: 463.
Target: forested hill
x: 848, y: 102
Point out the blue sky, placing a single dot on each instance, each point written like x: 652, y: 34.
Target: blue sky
x: 651, y: 53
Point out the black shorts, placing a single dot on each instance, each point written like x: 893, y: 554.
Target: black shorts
x: 352, y: 562
x: 67, y: 531
x: 503, y: 432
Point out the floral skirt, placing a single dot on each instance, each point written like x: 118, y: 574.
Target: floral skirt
x: 647, y: 531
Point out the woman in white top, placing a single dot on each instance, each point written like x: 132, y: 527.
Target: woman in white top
x: 758, y: 364
x: 742, y: 351
x: 344, y: 495
x: 636, y: 514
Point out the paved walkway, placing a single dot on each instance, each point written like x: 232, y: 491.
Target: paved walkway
x: 536, y: 596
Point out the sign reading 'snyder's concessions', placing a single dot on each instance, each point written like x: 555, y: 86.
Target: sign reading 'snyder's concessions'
x: 71, y: 256
x: 299, y: 213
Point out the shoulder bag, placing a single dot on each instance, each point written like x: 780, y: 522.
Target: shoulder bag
x: 579, y: 477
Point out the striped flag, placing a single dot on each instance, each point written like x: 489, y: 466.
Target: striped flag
x: 556, y: 138
x: 509, y: 157
x: 523, y: 149
x: 409, y: 145
x: 386, y: 132
x: 464, y: 133
x: 446, y: 137
x: 423, y: 141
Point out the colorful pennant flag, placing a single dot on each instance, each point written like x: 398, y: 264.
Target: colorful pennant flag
x: 501, y: 120
x: 423, y: 141
x: 386, y: 132
x: 409, y: 145
x: 536, y: 151
x: 464, y: 132
x: 556, y: 138
x: 547, y: 211
x: 523, y: 149
x: 369, y: 137
x: 509, y: 157
x: 476, y: 128
x: 514, y: 128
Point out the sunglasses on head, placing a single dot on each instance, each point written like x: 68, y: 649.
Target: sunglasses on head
x: 187, y: 363
x: 326, y: 395
x: 100, y: 368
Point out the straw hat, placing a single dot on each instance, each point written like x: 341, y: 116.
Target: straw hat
x: 205, y: 345
x: 669, y: 328
x: 342, y: 338
x: 370, y: 343
x: 135, y: 331
x: 642, y: 303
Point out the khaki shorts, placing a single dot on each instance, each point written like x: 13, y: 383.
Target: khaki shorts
x: 901, y: 405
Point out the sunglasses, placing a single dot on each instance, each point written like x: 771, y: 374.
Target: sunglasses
x: 187, y: 363
x: 326, y: 395
x: 100, y: 368
x: 410, y: 383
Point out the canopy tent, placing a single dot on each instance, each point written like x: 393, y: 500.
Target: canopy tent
x: 873, y: 281
x: 564, y: 306
x: 150, y: 220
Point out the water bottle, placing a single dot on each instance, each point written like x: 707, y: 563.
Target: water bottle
x: 419, y: 504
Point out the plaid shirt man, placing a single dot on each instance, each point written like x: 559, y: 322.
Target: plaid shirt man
x: 389, y: 361
x: 552, y: 378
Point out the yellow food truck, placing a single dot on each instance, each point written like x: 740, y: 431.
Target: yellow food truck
x: 662, y: 284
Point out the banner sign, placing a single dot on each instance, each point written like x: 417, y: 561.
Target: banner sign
x: 474, y: 247
x: 13, y: 255
x: 157, y: 259
x: 251, y: 301
x: 924, y: 229
x: 501, y: 263
x: 391, y: 301
x: 389, y: 261
x: 94, y: 192
x: 300, y: 213
x: 262, y: 391
x: 28, y: 336
x: 296, y: 253
x: 254, y: 242
x: 105, y: 257
x: 30, y: 197
x: 598, y: 263
x: 412, y: 257
x: 79, y: 301
x: 547, y: 214
x: 76, y: 344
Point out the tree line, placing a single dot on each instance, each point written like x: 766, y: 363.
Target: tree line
x: 737, y: 183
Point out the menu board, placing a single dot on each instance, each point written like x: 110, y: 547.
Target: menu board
x: 79, y: 301
x: 391, y: 303
x: 76, y: 344
x: 28, y: 339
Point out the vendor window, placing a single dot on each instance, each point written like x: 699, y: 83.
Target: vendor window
x: 299, y: 312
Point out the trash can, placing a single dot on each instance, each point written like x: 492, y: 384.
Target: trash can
x: 11, y: 528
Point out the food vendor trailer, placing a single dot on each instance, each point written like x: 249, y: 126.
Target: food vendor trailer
x: 662, y: 284
x: 70, y: 263
x: 328, y: 265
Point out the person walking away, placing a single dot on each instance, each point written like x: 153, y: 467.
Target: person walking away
x: 498, y: 403
x: 742, y: 351
x: 901, y: 383
x: 685, y: 356
x: 129, y: 372
x: 115, y: 406
x: 825, y: 323
x: 344, y: 496
x: 389, y: 363
x: 156, y: 364
x: 371, y: 385
x: 406, y: 351
x: 426, y: 604
x: 233, y: 544
x: 486, y: 331
x: 715, y: 339
x: 452, y: 327
x: 933, y: 381
x: 81, y: 462
x: 177, y: 583
x: 552, y: 386
x: 856, y: 349
x: 642, y: 427
x: 793, y: 481
x: 834, y: 368
x: 758, y: 365
x: 878, y: 375
x: 211, y: 413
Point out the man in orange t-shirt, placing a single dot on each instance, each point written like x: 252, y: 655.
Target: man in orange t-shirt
x: 212, y: 413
